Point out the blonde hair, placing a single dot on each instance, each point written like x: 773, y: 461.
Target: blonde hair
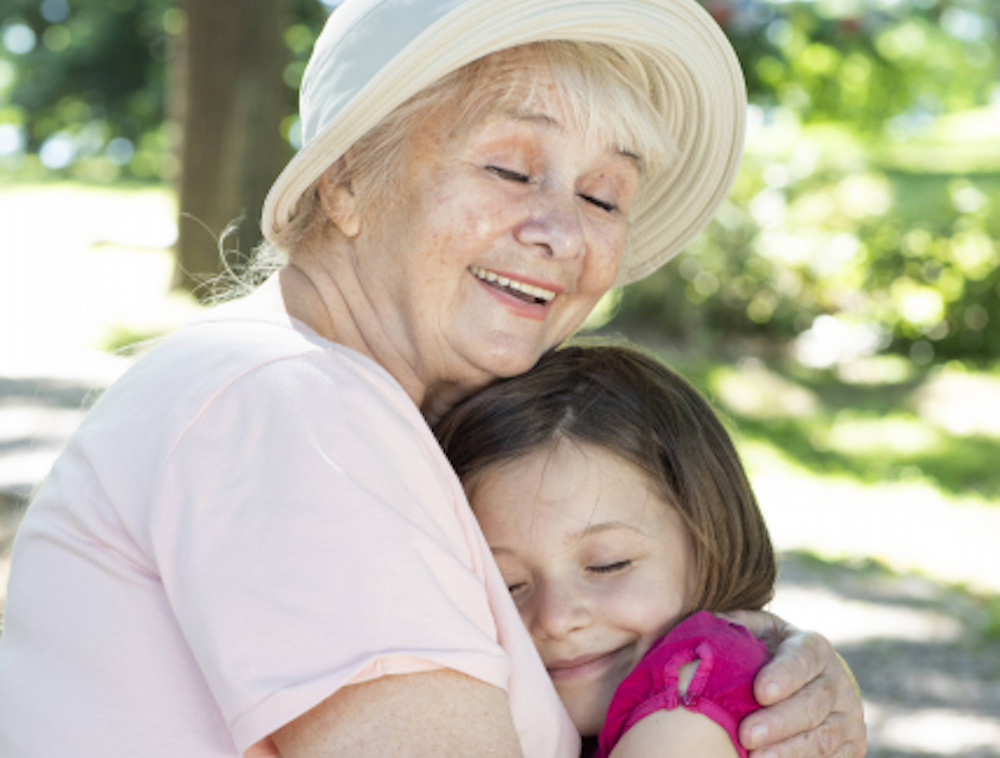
x: 613, y: 94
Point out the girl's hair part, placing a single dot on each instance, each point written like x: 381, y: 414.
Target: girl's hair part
x: 629, y: 403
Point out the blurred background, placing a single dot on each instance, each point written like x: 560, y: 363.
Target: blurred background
x: 843, y: 311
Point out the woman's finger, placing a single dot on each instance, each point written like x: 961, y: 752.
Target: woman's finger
x: 765, y: 626
x: 812, y: 704
x: 800, y: 659
x: 837, y: 737
x: 806, y: 711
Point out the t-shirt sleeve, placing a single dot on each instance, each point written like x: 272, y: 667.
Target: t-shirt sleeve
x: 721, y: 689
x: 309, y: 535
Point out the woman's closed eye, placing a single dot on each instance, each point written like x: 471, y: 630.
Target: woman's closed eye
x: 509, y: 174
x: 602, y: 204
x: 520, y: 178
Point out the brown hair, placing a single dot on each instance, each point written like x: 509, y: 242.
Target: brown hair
x: 632, y: 405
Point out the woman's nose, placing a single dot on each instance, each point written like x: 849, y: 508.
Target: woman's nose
x: 559, y: 610
x: 554, y: 226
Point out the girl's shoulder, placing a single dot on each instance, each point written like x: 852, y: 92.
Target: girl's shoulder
x: 719, y: 692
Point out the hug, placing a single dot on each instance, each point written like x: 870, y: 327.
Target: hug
x: 254, y: 545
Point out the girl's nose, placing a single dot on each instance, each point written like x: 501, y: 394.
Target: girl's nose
x: 559, y: 610
x: 554, y: 226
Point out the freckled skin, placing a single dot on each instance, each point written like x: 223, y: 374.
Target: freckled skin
x: 453, y: 210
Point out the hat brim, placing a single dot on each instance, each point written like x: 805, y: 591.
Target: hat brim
x: 355, y: 79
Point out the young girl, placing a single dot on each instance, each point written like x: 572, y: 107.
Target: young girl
x: 618, y: 512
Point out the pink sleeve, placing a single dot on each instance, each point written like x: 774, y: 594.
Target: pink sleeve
x: 722, y: 688
x: 309, y: 535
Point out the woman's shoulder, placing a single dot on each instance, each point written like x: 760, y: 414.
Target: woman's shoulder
x: 257, y: 367
x: 245, y: 342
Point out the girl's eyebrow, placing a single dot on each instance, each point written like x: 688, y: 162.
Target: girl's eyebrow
x: 587, y: 531
x: 605, y: 526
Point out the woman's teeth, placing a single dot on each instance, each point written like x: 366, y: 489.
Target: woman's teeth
x: 519, y: 289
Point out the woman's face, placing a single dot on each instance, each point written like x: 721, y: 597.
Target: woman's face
x: 498, y: 241
x: 597, y: 563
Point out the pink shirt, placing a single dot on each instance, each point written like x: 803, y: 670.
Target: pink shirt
x: 722, y: 687
x: 250, y: 519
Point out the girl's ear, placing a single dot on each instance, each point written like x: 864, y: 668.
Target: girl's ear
x: 338, y: 200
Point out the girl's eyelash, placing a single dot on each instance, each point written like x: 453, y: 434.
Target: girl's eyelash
x: 610, y: 568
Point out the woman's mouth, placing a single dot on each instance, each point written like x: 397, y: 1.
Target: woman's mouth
x: 528, y: 293
x: 584, y: 666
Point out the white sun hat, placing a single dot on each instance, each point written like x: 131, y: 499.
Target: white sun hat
x: 373, y: 55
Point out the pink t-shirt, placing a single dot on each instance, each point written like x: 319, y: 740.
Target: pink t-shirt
x: 249, y: 519
x: 722, y: 687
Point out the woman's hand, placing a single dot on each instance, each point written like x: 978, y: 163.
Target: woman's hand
x: 812, y: 702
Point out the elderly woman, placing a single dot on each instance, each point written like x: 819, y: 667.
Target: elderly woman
x: 253, y: 545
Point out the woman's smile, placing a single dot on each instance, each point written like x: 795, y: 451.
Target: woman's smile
x: 519, y: 296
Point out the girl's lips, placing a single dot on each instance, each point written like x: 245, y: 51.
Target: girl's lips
x: 582, y: 666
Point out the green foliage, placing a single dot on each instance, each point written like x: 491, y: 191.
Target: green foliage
x: 866, y: 208
x: 83, y: 85
x: 925, y: 425
x: 990, y: 629
x: 868, y: 194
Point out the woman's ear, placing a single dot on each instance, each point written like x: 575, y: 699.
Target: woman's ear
x: 338, y: 200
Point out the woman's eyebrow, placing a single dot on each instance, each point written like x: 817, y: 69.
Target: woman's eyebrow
x: 547, y: 121
x: 534, y: 117
x: 637, y: 160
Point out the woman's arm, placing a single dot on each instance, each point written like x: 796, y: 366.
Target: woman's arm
x: 813, y: 706
x: 440, y: 713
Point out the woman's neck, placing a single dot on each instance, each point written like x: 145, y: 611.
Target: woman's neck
x: 319, y: 287
x: 314, y: 295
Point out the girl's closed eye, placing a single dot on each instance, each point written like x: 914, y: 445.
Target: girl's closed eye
x: 610, y: 568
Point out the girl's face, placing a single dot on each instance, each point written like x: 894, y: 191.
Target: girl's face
x: 597, y: 563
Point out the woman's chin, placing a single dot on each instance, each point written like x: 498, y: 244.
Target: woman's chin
x: 507, y: 357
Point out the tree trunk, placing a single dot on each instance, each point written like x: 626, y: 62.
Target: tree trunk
x: 229, y: 98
